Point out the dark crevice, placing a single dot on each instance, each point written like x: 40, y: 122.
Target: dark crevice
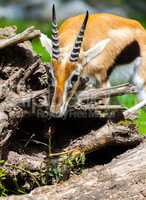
x: 70, y: 129
x: 105, y: 155
x: 63, y: 131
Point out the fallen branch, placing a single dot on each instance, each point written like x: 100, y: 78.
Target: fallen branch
x: 97, y: 94
x: 109, y: 134
x: 15, y: 67
x: 28, y: 34
x: 132, y: 112
x: 88, y: 97
x: 31, y: 69
x: 26, y: 99
x: 7, y: 32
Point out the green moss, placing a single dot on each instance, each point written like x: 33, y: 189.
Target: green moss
x: 75, y: 161
x: 124, y: 122
x: 3, y: 189
x: 55, y: 174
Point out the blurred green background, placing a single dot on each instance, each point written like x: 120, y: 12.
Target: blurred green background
x: 25, y: 13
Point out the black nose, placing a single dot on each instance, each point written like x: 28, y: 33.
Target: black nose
x: 55, y: 115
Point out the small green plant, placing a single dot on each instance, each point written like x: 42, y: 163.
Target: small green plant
x: 75, y: 162
x: 55, y: 174
x: 3, y: 190
x: 66, y: 165
x: 35, y: 179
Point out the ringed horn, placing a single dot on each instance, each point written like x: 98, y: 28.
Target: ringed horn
x: 77, y: 46
x: 55, y: 38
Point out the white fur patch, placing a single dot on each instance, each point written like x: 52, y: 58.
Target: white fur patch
x: 46, y: 43
x: 95, y: 51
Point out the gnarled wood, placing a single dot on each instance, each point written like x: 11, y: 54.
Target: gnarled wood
x: 124, y: 178
x: 28, y: 34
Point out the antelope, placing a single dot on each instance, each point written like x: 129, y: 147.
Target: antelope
x: 98, y: 50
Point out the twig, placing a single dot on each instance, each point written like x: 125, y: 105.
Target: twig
x: 29, y: 97
x: 96, y: 94
x: 52, y: 155
x: 38, y: 142
x: 26, y: 171
x: 28, y: 34
x: 86, y: 96
x: 133, y: 110
x: 94, y: 107
x: 26, y: 144
x: 3, y: 142
x: 14, y: 79
x: 11, y: 83
x: 31, y: 69
x: 27, y: 74
x: 34, y: 141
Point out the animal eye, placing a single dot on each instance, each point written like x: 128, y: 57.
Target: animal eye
x: 69, y: 88
x: 84, y: 80
x: 74, y: 78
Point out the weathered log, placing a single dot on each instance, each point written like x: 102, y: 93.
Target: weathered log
x: 13, y: 73
x: 123, y: 178
x: 109, y: 134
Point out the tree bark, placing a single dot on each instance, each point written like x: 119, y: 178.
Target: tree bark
x: 124, y: 178
x: 18, y: 63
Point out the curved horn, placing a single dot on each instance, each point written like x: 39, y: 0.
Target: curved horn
x: 55, y: 39
x: 77, y: 46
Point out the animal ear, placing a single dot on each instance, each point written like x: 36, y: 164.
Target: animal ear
x: 46, y: 43
x: 94, y: 51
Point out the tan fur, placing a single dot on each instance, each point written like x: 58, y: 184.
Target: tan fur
x: 120, y: 30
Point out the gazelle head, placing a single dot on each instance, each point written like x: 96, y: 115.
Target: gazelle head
x: 67, y: 66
